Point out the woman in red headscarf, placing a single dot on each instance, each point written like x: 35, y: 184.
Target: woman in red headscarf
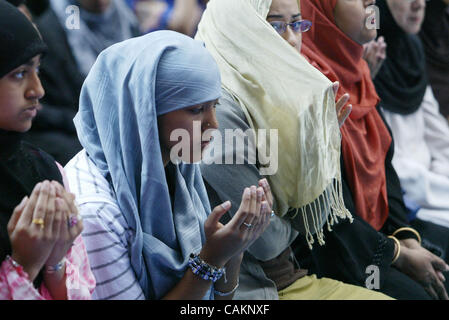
x: 335, y: 47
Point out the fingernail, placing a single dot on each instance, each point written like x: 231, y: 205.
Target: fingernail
x: 22, y: 203
x: 226, y: 205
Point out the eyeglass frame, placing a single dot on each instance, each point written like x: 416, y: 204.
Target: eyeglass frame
x: 291, y: 25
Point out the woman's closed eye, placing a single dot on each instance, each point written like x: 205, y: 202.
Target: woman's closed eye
x: 197, y: 110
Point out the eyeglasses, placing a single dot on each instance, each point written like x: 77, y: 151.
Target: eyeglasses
x: 298, y: 26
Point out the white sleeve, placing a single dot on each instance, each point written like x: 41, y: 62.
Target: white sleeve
x: 436, y: 135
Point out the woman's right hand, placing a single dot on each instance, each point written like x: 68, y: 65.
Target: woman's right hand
x: 226, y: 241
x: 424, y: 267
x: 343, y: 110
x: 31, y: 229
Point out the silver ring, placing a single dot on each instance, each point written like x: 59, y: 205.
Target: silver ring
x: 248, y: 225
x: 272, y: 213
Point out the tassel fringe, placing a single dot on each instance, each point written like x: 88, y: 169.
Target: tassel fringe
x: 330, y: 201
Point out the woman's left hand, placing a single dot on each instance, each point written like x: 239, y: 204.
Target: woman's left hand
x: 375, y: 53
x: 69, y: 225
x: 343, y: 110
x: 424, y: 267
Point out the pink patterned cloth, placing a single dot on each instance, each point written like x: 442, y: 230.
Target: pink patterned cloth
x: 80, y: 282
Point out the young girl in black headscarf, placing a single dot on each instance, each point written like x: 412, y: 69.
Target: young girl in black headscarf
x: 41, y: 253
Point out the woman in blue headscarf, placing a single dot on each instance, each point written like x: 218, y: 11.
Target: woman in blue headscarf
x: 147, y: 224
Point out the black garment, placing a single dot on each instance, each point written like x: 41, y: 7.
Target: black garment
x: 22, y: 166
x: 37, y: 7
x: 351, y: 248
x: 16, y: 3
x: 20, y: 41
x: 435, y: 38
x: 401, y: 82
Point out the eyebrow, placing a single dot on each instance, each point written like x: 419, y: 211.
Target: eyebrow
x: 280, y: 16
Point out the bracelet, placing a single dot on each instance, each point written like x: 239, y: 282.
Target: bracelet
x: 55, y: 268
x: 404, y: 229
x: 225, y: 294
x: 204, y: 270
x: 396, y: 256
x: 14, y: 263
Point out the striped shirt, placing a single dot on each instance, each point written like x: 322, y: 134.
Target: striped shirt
x: 106, y: 234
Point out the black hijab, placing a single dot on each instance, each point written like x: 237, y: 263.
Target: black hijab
x: 401, y: 82
x: 435, y: 38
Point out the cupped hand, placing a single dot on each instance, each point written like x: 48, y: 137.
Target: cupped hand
x: 375, y: 53
x: 30, y: 229
x: 226, y: 241
x: 343, y: 109
x: 67, y: 224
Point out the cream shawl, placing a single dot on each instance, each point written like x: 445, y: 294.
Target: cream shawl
x: 278, y: 89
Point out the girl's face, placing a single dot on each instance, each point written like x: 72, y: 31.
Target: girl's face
x: 287, y: 11
x: 20, y: 91
x: 353, y: 18
x: 408, y: 14
x: 187, y: 126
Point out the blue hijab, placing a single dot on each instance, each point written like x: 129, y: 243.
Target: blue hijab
x: 129, y: 86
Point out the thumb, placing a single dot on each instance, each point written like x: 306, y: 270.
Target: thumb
x: 218, y: 212
x: 16, y: 214
x: 335, y: 87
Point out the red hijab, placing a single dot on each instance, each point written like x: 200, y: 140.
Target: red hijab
x: 366, y: 139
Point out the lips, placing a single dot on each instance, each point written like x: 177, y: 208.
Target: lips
x: 31, y: 112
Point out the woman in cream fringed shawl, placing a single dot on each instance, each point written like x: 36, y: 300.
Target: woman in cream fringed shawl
x: 268, y: 85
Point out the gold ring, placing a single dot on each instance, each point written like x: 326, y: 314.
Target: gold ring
x: 39, y: 222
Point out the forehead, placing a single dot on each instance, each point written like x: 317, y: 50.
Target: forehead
x: 284, y: 7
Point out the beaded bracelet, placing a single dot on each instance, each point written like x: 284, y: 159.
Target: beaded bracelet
x: 55, y: 268
x: 225, y: 294
x: 204, y: 270
x: 14, y: 263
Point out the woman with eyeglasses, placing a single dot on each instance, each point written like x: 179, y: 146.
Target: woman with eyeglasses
x: 268, y: 85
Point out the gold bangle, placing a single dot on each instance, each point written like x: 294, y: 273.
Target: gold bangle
x: 410, y: 230
x: 398, y: 253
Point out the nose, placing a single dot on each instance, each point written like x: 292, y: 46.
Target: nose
x: 210, y: 120
x: 35, y: 90
x: 291, y: 37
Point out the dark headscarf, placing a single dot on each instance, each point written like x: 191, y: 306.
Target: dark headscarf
x: 20, y: 40
x: 401, y: 82
x: 435, y: 38
x: 365, y: 138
